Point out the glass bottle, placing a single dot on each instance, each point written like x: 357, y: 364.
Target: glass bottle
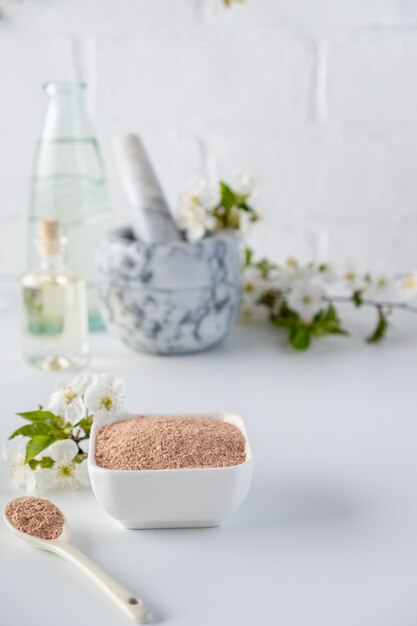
x: 55, y: 315
x: 69, y: 183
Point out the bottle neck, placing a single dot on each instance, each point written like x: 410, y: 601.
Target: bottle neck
x: 52, y: 260
x: 52, y: 263
x: 66, y: 115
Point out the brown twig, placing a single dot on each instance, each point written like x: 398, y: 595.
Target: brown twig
x: 378, y: 305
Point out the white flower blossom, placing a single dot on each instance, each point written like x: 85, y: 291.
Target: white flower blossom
x: 14, y: 453
x: 353, y: 280
x: 245, y: 222
x: 191, y: 215
x: 306, y: 299
x: 292, y: 272
x: 67, y: 402
x: 380, y: 288
x: 406, y: 287
x: 328, y: 272
x: 244, y: 184
x: 191, y: 220
x: 65, y: 473
x: 254, y: 286
x: 81, y: 474
x: 198, y: 187
x: 105, y: 395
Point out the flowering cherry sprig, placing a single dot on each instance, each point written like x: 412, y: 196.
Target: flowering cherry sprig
x: 295, y: 297
x: 50, y: 451
x: 232, y: 205
x: 203, y: 211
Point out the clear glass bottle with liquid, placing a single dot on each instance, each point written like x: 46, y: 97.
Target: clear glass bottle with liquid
x: 55, y: 314
x: 69, y: 184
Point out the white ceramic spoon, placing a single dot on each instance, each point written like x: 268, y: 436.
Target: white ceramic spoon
x: 130, y: 604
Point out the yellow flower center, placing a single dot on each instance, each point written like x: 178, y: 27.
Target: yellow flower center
x: 249, y: 287
x: 410, y: 282
x: 291, y: 262
x: 194, y: 200
x: 69, y: 395
x: 107, y: 403
x: 65, y: 470
x: 307, y: 298
x: 382, y: 282
x: 350, y: 276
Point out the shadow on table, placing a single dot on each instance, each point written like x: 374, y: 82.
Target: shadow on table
x: 289, y: 504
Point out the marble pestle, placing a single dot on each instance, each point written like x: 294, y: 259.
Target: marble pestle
x: 150, y: 217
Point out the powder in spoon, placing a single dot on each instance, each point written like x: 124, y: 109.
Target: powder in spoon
x: 152, y: 443
x: 37, y: 517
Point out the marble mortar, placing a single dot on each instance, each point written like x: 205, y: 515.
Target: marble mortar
x: 174, y: 298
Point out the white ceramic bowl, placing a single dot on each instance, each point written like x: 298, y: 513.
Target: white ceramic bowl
x: 170, y: 498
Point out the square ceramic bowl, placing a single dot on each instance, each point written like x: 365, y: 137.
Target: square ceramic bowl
x: 170, y: 498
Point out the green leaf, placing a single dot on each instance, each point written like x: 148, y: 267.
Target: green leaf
x: 285, y: 318
x: 228, y: 198
x: 86, y: 424
x: 282, y: 322
x: 36, y: 445
x: 318, y: 329
x: 357, y: 298
x: 39, y: 416
x: 44, y: 462
x: 326, y: 322
x: 284, y: 311
x: 65, y: 431
x: 338, y: 330
x: 271, y: 299
x: 326, y: 316
x: 380, y: 329
x: 244, y: 206
x: 300, y: 337
x: 265, y: 266
x: 30, y: 430
x: 331, y: 315
x: 80, y: 457
x: 227, y: 212
x: 248, y: 257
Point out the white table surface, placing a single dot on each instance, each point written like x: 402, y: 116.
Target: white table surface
x: 328, y: 533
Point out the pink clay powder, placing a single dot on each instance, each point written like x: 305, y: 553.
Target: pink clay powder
x: 37, y: 517
x: 152, y: 443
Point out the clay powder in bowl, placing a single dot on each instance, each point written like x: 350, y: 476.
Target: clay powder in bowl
x: 186, y: 470
x: 37, y: 517
x: 154, y: 443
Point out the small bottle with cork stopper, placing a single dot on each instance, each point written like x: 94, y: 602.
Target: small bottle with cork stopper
x: 55, y: 312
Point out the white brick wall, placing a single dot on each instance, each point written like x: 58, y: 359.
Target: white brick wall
x: 219, y: 76
x: 317, y: 97
x: 379, y: 65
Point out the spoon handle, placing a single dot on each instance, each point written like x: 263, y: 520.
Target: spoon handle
x: 127, y: 601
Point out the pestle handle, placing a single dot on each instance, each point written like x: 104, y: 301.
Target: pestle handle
x: 151, y: 218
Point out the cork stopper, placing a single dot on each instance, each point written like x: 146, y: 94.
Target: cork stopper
x: 49, y: 240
